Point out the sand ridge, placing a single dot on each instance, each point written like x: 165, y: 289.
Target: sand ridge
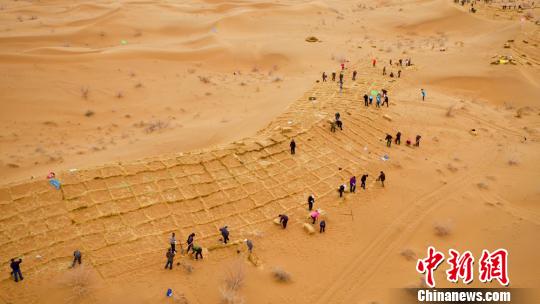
x: 128, y: 207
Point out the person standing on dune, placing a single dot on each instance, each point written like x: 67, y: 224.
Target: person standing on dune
x: 170, y: 259
x: 388, y: 139
x: 77, y: 258
x: 322, y: 226
x: 385, y: 101
x: 417, y: 143
x: 398, y: 138
x: 314, y: 216
x: 384, y: 70
x: 293, y: 146
x: 354, y: 75
x: 363, y: 181
x: 341, y: 78
x: 381, y: 178
x: 249, y: 245
x: 378, y: 100
x: 173, y: 242
x: 366, y: 100
x: 283, y: 219
x: 16, y: 269
x: 323, y: 76
x: 224, y: 233
x: 423, y: 92
x: 370, y: 99
x: 374, y: 62
x: 352, y: 184
x: 333, y: 76
x: 310, y: 202
x: 341, y: 189
x: 189, y: 242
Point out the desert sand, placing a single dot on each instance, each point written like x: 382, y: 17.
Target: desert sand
x: 176, y: 116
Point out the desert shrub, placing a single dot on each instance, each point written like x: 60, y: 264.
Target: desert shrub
x: 442, y: 230
x: 281, y: 275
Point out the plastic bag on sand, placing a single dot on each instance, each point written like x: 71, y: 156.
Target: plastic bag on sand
x: 309, y: 228
x: 277, y: 222
x: 385, y: 157
x: 55, y: 183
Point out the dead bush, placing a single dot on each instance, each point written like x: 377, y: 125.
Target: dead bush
x: 89, y: 113
x: 281, y: 275
x: 482, y: 185
x: 204, y: 80
x: 155, y: 126
x: 408, y: 254
x: 442, y: 230
x: 79, y: 283
x: 188, y: 268
x: 234, y: 279
x: 235, y: 276
x: 230, y: 297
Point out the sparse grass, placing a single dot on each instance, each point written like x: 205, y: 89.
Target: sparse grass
x: 482, y: 185
x: 234, y: 279
x: 230, y: 297
x: 281, y: 275
x: 138, y: 85
x: 80, y: 284
x: 408, y: 254
x: 188, y: 268
x: 204, y: 80
x: 119, y: 94
x: 512, y: 162
x: 155, y: 126
x: 235, y: 276
x: 442, y: 230
x: 89, y: 113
